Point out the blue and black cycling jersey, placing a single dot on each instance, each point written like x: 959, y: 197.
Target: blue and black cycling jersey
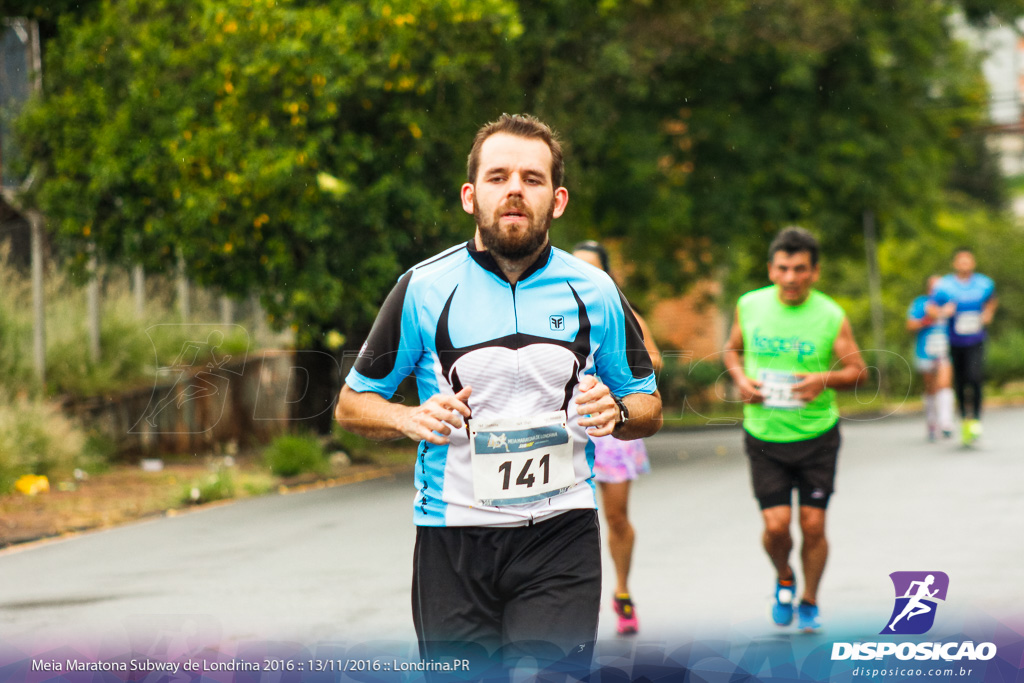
x: 455, y: 320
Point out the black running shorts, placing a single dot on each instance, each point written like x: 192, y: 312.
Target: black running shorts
x: 528, y: 591
x: 808, y: 466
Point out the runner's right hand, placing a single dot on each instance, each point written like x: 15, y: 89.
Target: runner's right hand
x: 433, y: 420
x: 750, y: 390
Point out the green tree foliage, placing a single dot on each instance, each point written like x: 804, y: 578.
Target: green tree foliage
x: 299, y: 151
x: 698, y: 129
x: 312, y: 151
x: 812, y: 113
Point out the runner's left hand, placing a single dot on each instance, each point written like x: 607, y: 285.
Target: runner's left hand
x: 596, y: 405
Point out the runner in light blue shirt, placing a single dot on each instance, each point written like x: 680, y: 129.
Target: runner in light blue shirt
x: 973, y: 296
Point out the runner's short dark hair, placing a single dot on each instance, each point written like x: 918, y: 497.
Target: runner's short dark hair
x: 793, y: 240
x: 961, y: 249
x: 524, y: 126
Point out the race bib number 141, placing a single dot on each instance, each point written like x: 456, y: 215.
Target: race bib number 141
x: 521, y: 460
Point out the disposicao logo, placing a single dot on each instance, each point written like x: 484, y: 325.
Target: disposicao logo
x: 917, y: 598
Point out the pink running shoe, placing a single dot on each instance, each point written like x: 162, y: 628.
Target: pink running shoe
x: 623, y: 606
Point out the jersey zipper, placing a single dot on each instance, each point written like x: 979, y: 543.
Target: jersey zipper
x: 515, y: 315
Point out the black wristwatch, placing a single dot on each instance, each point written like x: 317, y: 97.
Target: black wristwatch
x: 623, y: 413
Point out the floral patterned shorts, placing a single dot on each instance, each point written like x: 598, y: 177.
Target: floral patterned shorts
x: 616, y: 461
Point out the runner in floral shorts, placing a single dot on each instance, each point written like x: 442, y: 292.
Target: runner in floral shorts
x: 616, y: 464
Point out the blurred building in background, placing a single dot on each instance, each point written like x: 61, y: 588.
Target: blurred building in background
x: 1002, y: 49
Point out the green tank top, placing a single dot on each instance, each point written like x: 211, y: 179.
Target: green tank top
x: 778, y: 341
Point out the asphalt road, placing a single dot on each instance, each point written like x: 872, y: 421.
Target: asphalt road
x: 334, y: 565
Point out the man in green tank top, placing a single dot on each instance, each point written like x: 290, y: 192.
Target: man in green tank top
x: 790, y: 348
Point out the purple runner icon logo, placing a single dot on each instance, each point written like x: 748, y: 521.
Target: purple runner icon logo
x: 917, y: 596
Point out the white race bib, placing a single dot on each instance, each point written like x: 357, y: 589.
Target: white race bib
x: 777, y: 389
x: 967, y: 323
x: 936, y: 344
x: 521, y: 460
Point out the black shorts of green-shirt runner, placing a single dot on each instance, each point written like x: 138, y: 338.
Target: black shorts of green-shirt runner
x: 809, y: 466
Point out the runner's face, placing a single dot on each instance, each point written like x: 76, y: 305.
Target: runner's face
x: 513, y: 199
x: 963, y: 264
x: 794, y: 275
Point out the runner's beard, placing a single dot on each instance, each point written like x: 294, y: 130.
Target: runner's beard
x: 510, y: 243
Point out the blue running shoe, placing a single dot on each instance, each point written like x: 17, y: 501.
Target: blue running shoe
x: 808, y: 617
x: 782, y: 610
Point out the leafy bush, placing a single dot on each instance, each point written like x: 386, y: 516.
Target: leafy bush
x: 36, y: 438
x: 126, y: 352
x: 99, y: 449
x: 132, y: 347
x: 217, y: 486
x: 289, y: 455
x: 15, y: 325
x: 15, y: 365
